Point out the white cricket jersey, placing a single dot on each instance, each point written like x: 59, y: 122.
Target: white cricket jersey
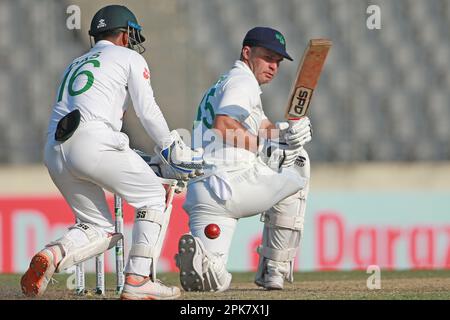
x: 99, y: 84
x: 237, y: 95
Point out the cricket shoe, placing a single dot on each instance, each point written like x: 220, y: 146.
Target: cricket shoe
x: 273, y: 280
x: 143, y: 288
x: 42, y: 267
x: 200, y: 270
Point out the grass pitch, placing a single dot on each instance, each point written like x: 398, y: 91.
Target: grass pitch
x: 351, y: 285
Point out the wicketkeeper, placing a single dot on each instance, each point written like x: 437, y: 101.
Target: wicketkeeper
x: 86, y: 153
x: 252, y: 167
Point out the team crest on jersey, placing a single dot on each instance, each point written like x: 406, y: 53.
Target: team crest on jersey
x: 101, y: 24
x: 146, y: 74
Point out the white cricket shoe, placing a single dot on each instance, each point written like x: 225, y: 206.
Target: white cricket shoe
x: 143, y: 288
x: 42, y: 267
x: 200, y: 270
x: 190, y: 260
x: 273, y: 280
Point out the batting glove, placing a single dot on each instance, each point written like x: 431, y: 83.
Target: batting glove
x: 295, y: 133
x: 277, y: 155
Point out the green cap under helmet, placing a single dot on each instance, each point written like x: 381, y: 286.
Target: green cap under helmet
x: 114, y: 17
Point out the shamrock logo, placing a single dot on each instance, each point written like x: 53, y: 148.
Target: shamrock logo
x: 280, y: 38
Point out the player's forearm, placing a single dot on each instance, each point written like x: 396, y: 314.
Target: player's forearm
x: 234, y: 134
x: 144, y: 103
x: 155, y: 125
x: 150, y: 115
x: 242, y: 138
x: 268, y: 130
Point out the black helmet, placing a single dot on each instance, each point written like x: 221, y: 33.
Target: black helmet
x: 115, y: 17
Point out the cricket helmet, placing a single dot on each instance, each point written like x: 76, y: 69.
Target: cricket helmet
x: 115, y: 17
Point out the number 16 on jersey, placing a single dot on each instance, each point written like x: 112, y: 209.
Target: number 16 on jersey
x: 79, y: 67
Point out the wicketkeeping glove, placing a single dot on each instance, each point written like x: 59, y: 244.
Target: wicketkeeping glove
x: 187, y: 163
x: 163, y: 170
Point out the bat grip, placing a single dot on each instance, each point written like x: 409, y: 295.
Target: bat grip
x: 294, y: 119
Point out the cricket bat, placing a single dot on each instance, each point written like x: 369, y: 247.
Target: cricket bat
x: 308, y: 74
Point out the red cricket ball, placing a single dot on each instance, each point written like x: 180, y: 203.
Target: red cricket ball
x: 212, y: 231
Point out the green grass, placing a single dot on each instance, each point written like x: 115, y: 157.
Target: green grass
x: 330, y: 285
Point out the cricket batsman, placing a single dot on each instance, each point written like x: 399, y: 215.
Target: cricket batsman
x: 86, y: 153
x: 252, y: 166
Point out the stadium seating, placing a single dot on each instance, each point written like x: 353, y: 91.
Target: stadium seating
x: 383, y: 95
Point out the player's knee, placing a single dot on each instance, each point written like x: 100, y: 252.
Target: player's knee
x: 154, y: 199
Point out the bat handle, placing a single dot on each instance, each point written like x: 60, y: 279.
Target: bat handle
x: 294, y: 119
x: 292, y: 122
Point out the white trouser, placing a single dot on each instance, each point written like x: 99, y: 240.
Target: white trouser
x: 254, y: 190
x: 97, y: 158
